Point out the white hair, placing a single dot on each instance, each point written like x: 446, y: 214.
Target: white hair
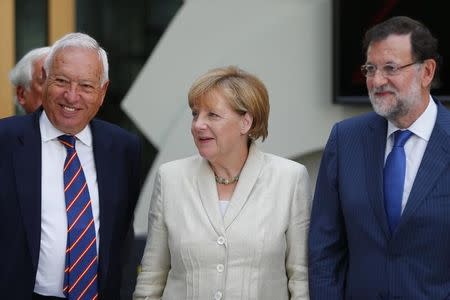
x: 22, y: 73
x: 78, y: 40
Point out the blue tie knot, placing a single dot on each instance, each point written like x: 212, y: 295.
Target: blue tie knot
x: 400, y: 137
x: 68, y: 141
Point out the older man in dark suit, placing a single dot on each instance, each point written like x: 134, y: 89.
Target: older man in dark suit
x: 69, y: 185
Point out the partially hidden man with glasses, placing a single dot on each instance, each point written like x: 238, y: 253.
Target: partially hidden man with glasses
x: 380, y: 220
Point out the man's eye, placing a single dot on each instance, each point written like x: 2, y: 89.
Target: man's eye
x: 60, y: 80
x: 389, y: 69
x: 370, y: 69
x: 87, y: 87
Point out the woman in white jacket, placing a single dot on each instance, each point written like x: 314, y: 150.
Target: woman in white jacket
x: 231, y: 222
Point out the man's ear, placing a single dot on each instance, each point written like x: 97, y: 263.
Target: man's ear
x: 44, y: 74
x: 20, y: 94
x: 429, y: 70
x: 103, y: 90
x: 246, y: 123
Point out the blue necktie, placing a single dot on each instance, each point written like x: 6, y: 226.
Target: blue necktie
x: 394, y: 178
x: 80, y: 277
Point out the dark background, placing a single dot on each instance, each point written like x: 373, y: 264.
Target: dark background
x: 351, y: 18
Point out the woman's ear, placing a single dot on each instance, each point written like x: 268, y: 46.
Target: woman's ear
x: 246, y: 123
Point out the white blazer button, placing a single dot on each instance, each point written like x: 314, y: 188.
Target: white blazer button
x: 221, y: 240
x: 220, y: 268
x: 218, y: 295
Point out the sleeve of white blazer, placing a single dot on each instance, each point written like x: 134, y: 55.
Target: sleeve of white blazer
x: 155, y: 263
x: 296, y: 236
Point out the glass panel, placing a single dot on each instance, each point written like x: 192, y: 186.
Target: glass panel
x: 31, y: 28
x: 31, y: 25
x: 128, y: 31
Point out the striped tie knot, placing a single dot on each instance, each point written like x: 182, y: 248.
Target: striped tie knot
x: 80, y: 274
x: 68, y: 141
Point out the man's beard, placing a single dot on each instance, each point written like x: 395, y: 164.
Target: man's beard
x: 399, y: 106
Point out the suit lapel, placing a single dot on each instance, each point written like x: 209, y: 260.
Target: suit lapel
x: 435, y: 160
x: 208, y: 190
x: 249, y: 175
x: 104, y: 156
x: 209, y: 197
x: 374, y: 149
x: 27, y: 171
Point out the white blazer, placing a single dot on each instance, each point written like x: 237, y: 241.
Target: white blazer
x: 257, y: 250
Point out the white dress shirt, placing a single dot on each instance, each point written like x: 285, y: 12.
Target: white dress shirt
x: 50, y: 272
x: 415, y: 146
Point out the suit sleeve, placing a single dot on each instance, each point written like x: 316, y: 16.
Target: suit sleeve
x: 296, y: 236
x: 155, y: 263
x: 327, y: 238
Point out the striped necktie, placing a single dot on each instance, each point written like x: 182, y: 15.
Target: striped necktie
x: 80, y: 274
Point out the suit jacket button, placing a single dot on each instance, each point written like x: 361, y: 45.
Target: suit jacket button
x: 220, y: 268
x: 218, y: 295
x: 221, y: 240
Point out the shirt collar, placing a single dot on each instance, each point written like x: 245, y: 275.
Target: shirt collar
x: 423, y: 126
x: 50, y: 132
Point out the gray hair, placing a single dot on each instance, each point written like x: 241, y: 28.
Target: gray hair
x: 78, y: 40
x: 22, y: 73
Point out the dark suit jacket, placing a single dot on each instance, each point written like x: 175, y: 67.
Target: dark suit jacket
x: 117, y: 159
x: 352, y: 254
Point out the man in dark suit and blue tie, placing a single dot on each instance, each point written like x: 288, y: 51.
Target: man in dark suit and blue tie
x: 381, y: 212
x: 69, y: 185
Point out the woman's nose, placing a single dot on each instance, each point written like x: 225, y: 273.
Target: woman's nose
x: 199, y: 123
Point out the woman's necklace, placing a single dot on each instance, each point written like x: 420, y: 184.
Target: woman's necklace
x: 221, y: 180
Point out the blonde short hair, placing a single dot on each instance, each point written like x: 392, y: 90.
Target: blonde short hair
x: 244, y: 91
